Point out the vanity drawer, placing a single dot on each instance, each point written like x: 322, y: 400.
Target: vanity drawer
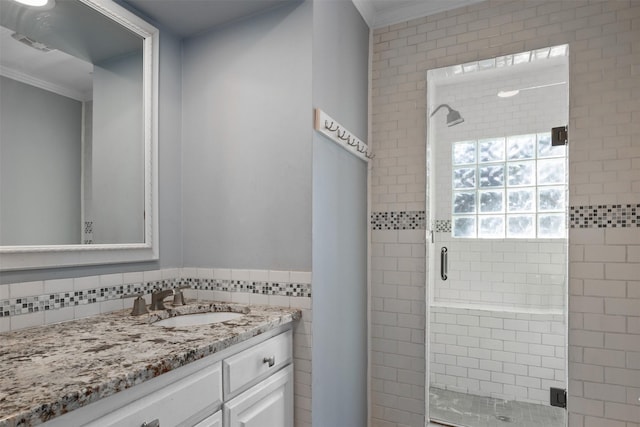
x: 253, y: 364
x: 183, y: 402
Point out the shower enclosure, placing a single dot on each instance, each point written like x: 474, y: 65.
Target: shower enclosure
x: 497, y: 206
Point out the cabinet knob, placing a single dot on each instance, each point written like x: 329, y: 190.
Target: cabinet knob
x: 154, y: 423
x: 270, y: 360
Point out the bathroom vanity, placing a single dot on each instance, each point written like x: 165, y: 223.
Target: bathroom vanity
x: 121, y: 370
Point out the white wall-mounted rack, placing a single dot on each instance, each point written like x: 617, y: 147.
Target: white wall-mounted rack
x: 341, y: 136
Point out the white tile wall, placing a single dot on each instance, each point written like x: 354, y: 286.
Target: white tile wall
x: 398, y: 327
x: 604, y: 152
x: 525, y: 274
x: 512, y: 356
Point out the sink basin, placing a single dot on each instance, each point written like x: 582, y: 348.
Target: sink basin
x: 198, y: 319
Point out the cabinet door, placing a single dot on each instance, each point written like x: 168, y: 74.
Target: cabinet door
x: 214, y: 420
x: 269, y: 403
x: 258, y: 362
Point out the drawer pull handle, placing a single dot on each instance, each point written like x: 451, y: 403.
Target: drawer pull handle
x: 270, y: 360
x: 154, y: 423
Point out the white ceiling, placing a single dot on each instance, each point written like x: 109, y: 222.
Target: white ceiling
x: 188, y: 17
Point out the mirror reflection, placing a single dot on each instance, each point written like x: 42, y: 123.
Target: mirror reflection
x: 72, y: 152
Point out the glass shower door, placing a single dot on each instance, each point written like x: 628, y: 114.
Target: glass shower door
x: 498, y: 250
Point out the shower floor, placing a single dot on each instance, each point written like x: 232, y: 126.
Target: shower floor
x: 466, y: 410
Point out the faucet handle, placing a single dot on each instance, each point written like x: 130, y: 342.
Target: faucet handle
x: 178, y: 297
x: 133, y: 295
x: 139, y: 305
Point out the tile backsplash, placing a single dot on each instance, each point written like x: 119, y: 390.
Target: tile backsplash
x: 42, y: 302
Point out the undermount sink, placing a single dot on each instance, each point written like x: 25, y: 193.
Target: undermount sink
x: 198, y: 319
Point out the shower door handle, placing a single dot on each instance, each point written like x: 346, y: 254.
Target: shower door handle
x: 443, y: 263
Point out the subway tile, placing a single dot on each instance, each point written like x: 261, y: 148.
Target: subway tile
x: 133, y: 277
x: 111, y: 279
x: 620, y: 236
x: 24, y: 289
x: 619, y: 376
x: 5, y: 324
x: 86, y: 310
x: 300, y: 277
x: 27, y: 320
x: 111, y: 305
x: 258, y: 275
x: 241, y: 275
x: 200, y: 273
x: 605, y: 288
x: 622, y: 271
x: 57, y: 286
x: 240, y: 297
x: 152, y: 275
x: 622, y: 306
x: 222, y: 273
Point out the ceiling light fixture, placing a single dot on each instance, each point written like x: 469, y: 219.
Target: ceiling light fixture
x: 31, y: 42
x: 510, y: 93
x: 33, y: 3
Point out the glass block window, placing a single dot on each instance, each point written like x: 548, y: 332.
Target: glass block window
x: 509, y: 187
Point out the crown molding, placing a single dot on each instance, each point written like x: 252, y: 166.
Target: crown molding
x: 366, y: 9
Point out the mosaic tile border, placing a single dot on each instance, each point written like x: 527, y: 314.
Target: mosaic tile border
x: 249, y: 286
x: 88, y: 233
x: 403, y: 220
x: 55, y: 301
x: 605, y: 216
x: 442, y: 225
x: 592, y: 216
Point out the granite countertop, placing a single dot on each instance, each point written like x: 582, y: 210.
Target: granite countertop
x: 50, y: 370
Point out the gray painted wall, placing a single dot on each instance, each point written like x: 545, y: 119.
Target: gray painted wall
x: 169, y: 169
x: 340, y: 82
x: 247, y: 125
x: 118, y: 151
x: 339, y: 383
x: 341, y: 63
x: 40, y: 134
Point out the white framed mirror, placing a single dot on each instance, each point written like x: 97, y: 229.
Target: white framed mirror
x: 78, y: 134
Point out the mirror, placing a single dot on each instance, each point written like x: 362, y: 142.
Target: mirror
x: 77, y: 134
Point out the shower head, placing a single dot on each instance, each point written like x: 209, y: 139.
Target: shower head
x: 453, y: 116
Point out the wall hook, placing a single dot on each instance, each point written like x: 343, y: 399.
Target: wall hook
x: 330, y: 127
x: 344, y: 132
x: 354, y: 143
x: 364, y: 149
x: 370, y: 155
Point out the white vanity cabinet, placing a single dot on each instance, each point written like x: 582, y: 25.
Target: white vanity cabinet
x: 248, y: 384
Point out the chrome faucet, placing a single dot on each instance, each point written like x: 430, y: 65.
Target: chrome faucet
x: 157, y: 298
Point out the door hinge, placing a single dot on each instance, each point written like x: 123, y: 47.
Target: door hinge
x: 559, y: 136
x: 558, y: 397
